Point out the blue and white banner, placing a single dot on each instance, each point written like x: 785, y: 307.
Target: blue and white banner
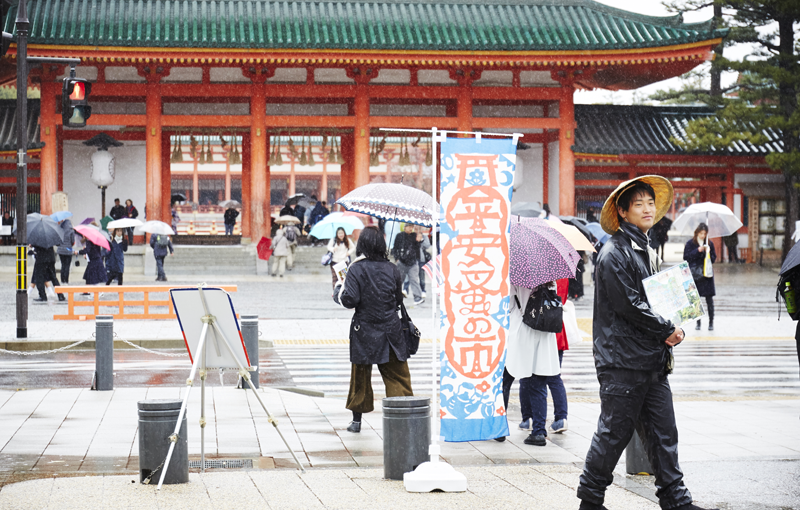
x: 477, y: 177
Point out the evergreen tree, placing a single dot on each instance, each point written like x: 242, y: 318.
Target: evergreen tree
x: 763, y: 102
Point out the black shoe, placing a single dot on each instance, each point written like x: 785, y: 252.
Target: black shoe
x: 585, y: 505
x: 355, y: 426
x: 40, y: 300
x: 61, y: 297
x: 692, y: 506
x: 698, y: 326
x: 537, y: 440
x: 711, y: 326
x: 500, y: 439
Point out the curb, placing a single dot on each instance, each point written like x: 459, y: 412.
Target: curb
x: 46, y: 345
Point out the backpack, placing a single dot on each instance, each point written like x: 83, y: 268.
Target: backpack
x: 790, y: 296
x: 162, y: 241
x: 291, y: 234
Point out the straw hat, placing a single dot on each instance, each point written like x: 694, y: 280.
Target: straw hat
x: 662, y: 187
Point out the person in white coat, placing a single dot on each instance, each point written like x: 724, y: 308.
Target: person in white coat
x: 341, y: 247
x: 531, y: 356
x: 280, y: 251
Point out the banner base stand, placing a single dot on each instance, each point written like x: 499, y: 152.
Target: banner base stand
x: 430, y: 476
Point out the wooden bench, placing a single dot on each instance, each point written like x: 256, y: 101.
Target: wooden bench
x: 73, y: 291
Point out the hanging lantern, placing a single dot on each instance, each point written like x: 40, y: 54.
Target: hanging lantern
x: 178, y: 151
x: 236, y: 158
x: 332, y: 152
x: 272, y: 152
x: 303, y: 160
x: 278, y: 152
x: 429, y: 154
x: 209, y: 152
x: 193, y: 147
x: 311, y: 161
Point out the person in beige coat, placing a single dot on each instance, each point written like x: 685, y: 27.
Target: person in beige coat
x: 280, y: 251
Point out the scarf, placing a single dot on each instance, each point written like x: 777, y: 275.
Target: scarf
x: 640, y: 241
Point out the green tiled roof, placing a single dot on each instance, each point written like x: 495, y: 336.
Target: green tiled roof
x: 450, y: 25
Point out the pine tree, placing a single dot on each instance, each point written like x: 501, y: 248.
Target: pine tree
x: 763, y: 102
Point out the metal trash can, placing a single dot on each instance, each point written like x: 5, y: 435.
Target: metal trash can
x: 406, y: 434
x: 157, y: 419
x: 636, y: 460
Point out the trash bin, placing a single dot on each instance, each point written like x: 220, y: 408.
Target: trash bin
x: 636, y: 461
x: 157, y: 419
x: 406, y: 434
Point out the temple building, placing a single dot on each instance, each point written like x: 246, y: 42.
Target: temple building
x: 255, y: 100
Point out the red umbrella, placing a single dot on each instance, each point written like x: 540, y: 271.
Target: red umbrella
x: 93, y: 235
x: 263, y: 248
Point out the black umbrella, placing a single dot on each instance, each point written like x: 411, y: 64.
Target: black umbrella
x: 43, y: 231
x: 792, y: 260
x: 580, y: 224
x: 178, y: 197
x: 292, y: 200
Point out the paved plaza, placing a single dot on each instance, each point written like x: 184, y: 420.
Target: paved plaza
x: 737, y: 400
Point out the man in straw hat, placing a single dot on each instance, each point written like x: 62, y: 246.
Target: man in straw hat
x: 633, y: 349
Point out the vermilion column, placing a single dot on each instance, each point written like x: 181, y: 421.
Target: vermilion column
x: 346, y: 177
x: 246, y: 171
x: 361, y: 143
x: 153, y: 201
x: 464, y: 107
x: 49, y: 155
x: 166, y: 180
x: 259, y: 171
x: 566, y: 159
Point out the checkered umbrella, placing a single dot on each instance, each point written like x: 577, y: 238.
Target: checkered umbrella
x: 390, y: 201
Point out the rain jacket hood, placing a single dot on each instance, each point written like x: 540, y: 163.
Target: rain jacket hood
x: 627, y: 333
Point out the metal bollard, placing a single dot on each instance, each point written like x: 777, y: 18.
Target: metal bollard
x: 249, y: 325
x: 636, y: 461
x: 104, y: 353
x: 157, y: 420
x: 406, y: 434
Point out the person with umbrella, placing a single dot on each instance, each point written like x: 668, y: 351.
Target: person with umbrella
x: 698, y: 251
x: 162, y: 246
x: 230, y: 219
x: 341, y: 248
x: 633, y: 350
x: 44, y: 272
x: 65, y: 249
x: 281, y: 249
x: 372, y: 288
x: 95, y: 269
x: 130, y: 212
x: 115, y: 261
x: 406, y: 251
x: 175, y: 217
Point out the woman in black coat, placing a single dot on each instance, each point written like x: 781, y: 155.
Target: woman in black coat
x: 695, y: 253
x: 95, y: 270
x: 374, y: 288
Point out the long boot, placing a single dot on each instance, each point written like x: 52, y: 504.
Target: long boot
x: 698, y: 325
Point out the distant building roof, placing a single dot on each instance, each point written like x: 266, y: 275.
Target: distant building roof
x: 618, y: 129
x: 8, y: 125
x: 427, y: 25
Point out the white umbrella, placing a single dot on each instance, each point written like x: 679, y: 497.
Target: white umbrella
x: 287, y: 220
x: 720, y: 220
x: 157, y: 227
x: 124, y: 223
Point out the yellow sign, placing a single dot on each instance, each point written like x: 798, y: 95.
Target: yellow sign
x: 22, y: 269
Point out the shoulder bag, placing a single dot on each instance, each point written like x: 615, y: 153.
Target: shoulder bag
x: 544, y: 312
x: 409, y: 331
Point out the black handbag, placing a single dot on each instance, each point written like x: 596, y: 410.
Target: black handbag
x: 697, y: 272
x: 543, y: 311
x: 409, y: 331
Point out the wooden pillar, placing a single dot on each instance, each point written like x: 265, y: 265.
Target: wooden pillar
x: 228, y: 178
x: 361, y: 144
x: 464, y: 105
x: 49, y: 155
x: 323, y: 189
x: 566, y: 159
x: 166, y: 180
x: 246, y: 171
x: 60, y: 156
x: 545, y: 169
x: 292, y: 177
x: 346, y: 178
x: 259, y: 171
x: 153, y: 141
x: 195, y: 182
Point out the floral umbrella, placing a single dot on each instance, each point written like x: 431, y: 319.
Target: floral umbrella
x: 391, y: 201
x: 539, y: 254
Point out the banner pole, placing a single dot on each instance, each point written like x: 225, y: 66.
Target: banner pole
x: 434, y: 449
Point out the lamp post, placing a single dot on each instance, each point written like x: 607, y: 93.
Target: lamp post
x: 102, y: 164
x: 22, y: 24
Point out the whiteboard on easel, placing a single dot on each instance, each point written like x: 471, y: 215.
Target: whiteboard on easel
x: 190, y: 311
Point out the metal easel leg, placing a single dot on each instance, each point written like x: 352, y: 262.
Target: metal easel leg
x: 203, y: 374
x: 189, y: 382
x: 246, y: 376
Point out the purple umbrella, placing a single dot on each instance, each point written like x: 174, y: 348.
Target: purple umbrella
x: 87, y: 221
x: 539, y: 254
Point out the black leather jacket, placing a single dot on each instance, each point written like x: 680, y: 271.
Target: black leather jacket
x: 626, y: 332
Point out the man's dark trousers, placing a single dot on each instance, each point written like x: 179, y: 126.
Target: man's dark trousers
x: 160, y: 268
x: 640, y: 400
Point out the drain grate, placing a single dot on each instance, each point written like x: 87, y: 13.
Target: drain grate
x: 223, y: 464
